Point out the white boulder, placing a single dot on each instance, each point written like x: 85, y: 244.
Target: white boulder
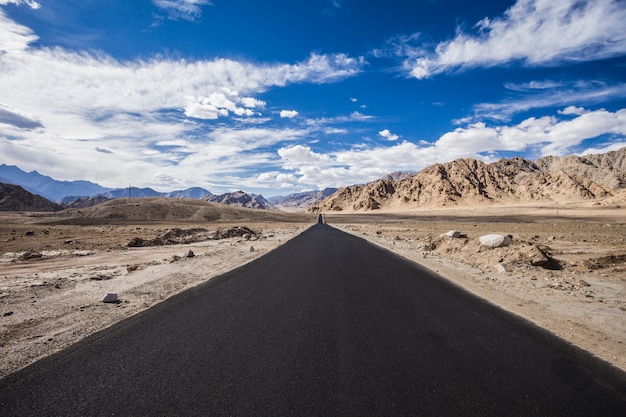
x: 494, y: 240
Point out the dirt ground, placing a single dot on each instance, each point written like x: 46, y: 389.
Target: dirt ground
x: 54, y: 275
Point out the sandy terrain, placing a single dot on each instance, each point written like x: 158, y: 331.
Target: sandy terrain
x: 50, y: 301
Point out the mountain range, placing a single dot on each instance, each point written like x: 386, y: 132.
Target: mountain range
x: 300, y: 201
x: 469, y: 182
x: 462, y: 182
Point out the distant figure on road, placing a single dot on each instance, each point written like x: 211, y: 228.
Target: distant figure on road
x: 320, y: 218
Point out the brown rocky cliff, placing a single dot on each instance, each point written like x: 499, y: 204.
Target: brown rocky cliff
x: 470, y: 182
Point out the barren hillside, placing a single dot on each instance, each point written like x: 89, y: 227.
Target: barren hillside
x: 167, y: 209
x: 468, y: 182
x: 15, y: 198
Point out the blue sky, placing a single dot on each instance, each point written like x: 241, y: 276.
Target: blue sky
x: 276, y: 97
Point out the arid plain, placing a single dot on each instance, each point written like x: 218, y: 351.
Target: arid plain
x: 55, y: 268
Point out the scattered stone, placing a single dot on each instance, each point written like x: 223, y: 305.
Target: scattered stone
x: 30, y: 233
x: 452, y: 234
x: 31, y: 254
x: 175, y: 258
x: 190, y: 254
x: 132, y: 268
x: 110, y: 297
x: 100, y: 277
x: 135, y: 242
x: 495, y: 240
x: 500, y: 268
x: 7, y: 314
x: 537, y: 257
x: 583, y: 283
x: 251, y: 248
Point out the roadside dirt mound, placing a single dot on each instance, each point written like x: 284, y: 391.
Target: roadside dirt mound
x: 178, y: 236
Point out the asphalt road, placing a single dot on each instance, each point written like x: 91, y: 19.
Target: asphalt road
x: 326, y: 325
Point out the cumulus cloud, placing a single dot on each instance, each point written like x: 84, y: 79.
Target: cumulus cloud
x: 573, y: 110
x: 182, y: 9
x: 388, y: 135
x: 549, y: 134
x: 533, y: 32
x: 220, y: 105
x: 289, y: 114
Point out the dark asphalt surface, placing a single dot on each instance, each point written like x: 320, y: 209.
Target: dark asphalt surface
x: 326, y: 325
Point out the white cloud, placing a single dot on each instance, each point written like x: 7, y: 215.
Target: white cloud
x: 552, y: 95
x: 549, y: 134
x: 30, y: 3
x: 299, y: 155
x: 388, y: 135
x: 534, y: 32
x: 13, y: 36
x: 182, y: 9
x: 573, y: 110
x: 289, y: 114
x: 253, y: 103
x: 220, y: 105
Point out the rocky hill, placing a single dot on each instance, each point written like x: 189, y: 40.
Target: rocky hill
x: 240, y: 199
x: 471, y: 182
x: 86, y: 202
x: 16, y: 198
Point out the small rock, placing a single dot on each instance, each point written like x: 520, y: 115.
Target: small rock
x: 175, y: 258
x: 251, y: 248
x: 7, y: 314
x: 110, y: 297
x: 500, y: 268
x: 452, y: 234
x: 190, y: 254
x: 537, y: 257
x: 583, y: 283
x: 30, y: 233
